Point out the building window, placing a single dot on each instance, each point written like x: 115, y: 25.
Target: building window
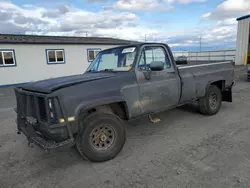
x: 92, y: 53
x: 55, y: 56
x: 7, y: 58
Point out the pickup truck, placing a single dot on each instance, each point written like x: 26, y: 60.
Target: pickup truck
x: 89, y: 110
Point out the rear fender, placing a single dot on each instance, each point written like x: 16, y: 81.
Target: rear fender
x: 226, y: 92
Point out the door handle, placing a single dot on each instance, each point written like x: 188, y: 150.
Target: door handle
x: 172, y: 72
x: 147, y: 75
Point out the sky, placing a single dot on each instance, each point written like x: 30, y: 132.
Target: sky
x: 183, y: 24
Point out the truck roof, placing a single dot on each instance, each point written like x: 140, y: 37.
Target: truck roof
x: 146, y: 43
x: 138, y: 44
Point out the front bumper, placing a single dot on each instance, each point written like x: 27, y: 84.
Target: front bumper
x: 34, y: 122
x: 37, y: 138
x: 248, y: 75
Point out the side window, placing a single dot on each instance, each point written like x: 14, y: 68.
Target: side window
x: 142, y: 63
x: 7, y: 58
x: 92, y: 53
x: 150, y: 54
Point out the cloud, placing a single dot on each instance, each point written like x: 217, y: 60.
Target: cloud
x: 227, y: 22
x: 16, y: 19
x: 90, y: 21
x: 185, y: 1
x: 4, y: 15
x: 65, y: 20
x: 217, y: 37
x: 60, y: 11
x: 121, y: 23
x: 225, y: 27
x: 229, y: 9
x: 8, y: 27
x: 147, y: 5
x: 20, y: 19
x: 141, y: 5
x: 190, y: 1
x: 98, y: 1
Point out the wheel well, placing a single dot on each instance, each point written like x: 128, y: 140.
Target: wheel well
x: 118, y: 108
x: 220, y: 84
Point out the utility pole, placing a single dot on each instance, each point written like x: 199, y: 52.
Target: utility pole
x: 200, y: 43
x: 86, y: 33
x: 145, y: 37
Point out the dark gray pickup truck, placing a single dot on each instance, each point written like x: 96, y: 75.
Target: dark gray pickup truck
x: 123, y: 83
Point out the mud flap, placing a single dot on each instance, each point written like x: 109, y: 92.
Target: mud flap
x: 227, y: 95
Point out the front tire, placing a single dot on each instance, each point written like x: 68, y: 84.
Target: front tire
x: 102, y: 136
x: 211, y: 103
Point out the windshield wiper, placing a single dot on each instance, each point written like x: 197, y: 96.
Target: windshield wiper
x: 92, y: 71
x: 105, y: 70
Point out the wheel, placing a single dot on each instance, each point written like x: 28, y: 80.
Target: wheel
x: 211, y: 103
x: 102, y: 136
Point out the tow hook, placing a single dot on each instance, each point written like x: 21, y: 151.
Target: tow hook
x: 30, y: 144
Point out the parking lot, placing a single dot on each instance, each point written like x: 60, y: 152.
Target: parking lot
x: 185, y: 149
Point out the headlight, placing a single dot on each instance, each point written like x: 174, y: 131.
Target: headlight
x: 51, y: 113
x: 50, y: 104
x: 55, y: 113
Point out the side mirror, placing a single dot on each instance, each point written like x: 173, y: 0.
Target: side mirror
x: 156, y: 66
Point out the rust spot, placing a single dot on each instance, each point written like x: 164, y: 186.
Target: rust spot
x: 142, y: 103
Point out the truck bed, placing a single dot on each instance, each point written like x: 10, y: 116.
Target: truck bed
x: 195, y: 77
x: 201, y: 62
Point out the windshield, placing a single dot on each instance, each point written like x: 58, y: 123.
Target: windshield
x: 117, y: 59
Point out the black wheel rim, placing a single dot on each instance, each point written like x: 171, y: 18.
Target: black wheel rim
x: 102, y: 137
x: 213, y: 101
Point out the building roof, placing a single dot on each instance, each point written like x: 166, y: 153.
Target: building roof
x: 41, y: 39
x: 243, y: 17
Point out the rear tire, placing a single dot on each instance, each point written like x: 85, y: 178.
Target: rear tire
x: 102, y: 136
x: 211, y: 103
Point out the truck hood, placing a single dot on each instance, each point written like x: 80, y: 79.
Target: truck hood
x: 50, y: 85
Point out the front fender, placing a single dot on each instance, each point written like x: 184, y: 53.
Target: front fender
x: 96, y: 102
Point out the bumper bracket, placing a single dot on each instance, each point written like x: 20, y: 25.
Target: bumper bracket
x: 47, y: 145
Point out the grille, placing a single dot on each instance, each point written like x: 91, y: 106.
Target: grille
x: 42, y: 109
x: 38, y: 107
x: 31, y: 106
x: 31, y: 111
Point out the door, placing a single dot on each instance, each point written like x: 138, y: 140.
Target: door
x: 158, y: 89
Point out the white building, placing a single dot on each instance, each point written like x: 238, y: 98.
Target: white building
x: 243, y: 40
x: 26, y: 58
